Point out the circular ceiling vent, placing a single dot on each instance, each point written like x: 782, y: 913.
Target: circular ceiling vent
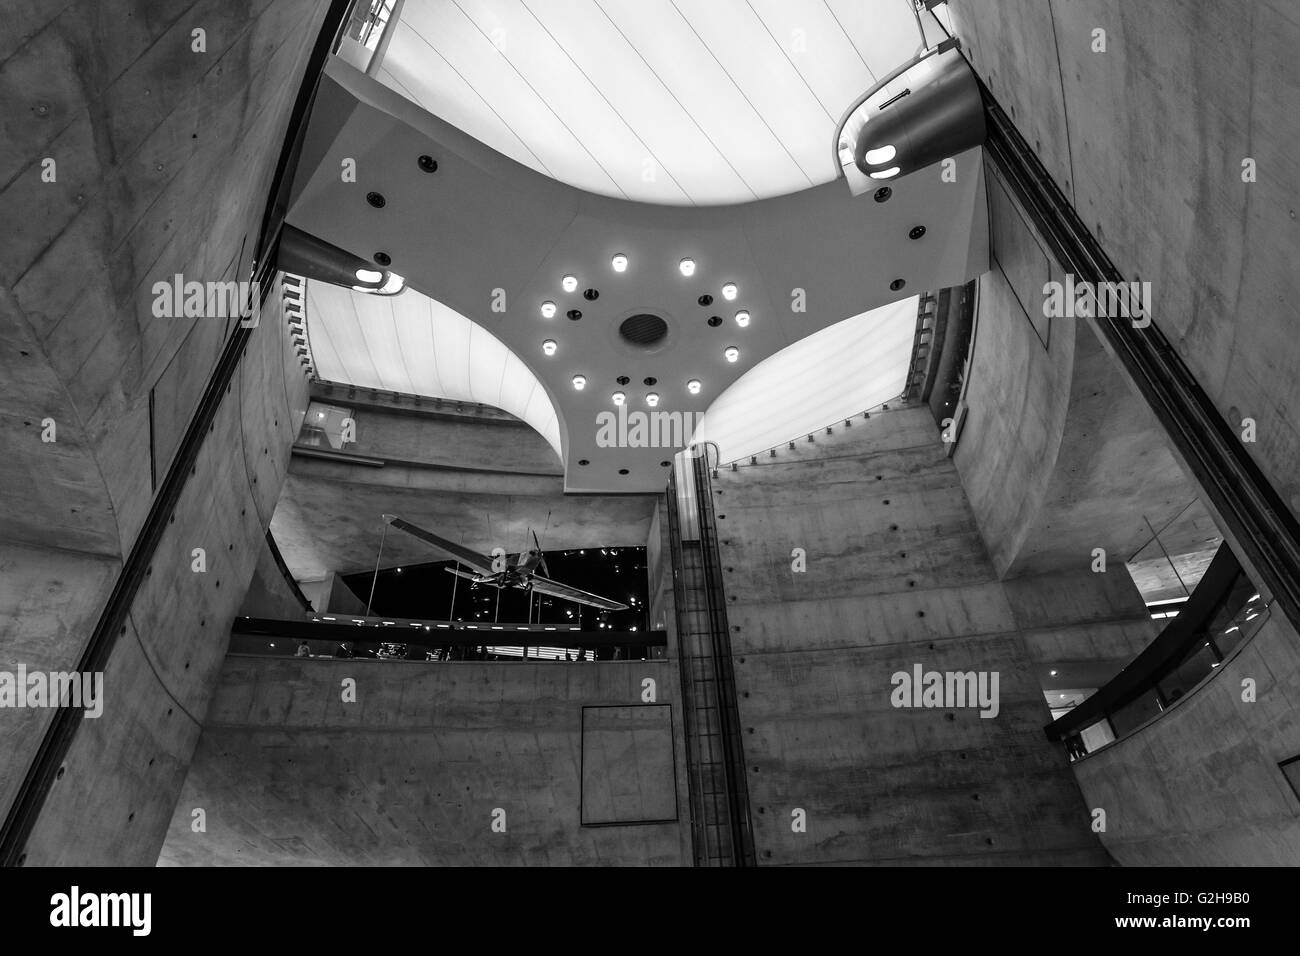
x: 643, y: 330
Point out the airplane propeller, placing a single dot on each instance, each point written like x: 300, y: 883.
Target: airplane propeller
x: 545, y: 570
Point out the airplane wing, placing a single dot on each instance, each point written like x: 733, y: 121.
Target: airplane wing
x: 462, y: 574
x: 555, y: 589
x: 479, y: 562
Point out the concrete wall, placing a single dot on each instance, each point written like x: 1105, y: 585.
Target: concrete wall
x: 412, y: 771
x: 164, y: 159
x: 493, y: 442
x: 329, y: 520
x: 1148, y: 139
x: 1058, y: 455
x: 897, y: 574
x: 269, y: 594
x: 1200, y: 786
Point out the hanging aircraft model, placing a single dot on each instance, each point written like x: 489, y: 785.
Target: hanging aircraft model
x: 503, y: 570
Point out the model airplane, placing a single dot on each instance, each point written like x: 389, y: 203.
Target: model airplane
x: 507, y: 570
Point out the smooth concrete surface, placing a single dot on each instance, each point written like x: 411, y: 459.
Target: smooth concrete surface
x: 412, y: 772
x: 628, y: 773
x: 328, y: 519
x: 404, y: 435
x: 127, y: 766
x: 1148, y: 139
x: 897, y: 575
x: 1200, y: 785
x: 1058, y: 455
x: 269, y: 594
x: 164, y: 159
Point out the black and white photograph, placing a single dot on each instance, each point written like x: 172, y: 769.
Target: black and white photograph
x: 854, y: 441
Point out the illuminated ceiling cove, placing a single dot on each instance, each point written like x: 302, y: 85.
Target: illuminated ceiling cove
x: 633, y: 317
x: 837, y: 373
x: 688, y: 102
x: 409, y: 343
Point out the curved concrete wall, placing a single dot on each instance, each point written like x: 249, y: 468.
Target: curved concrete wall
x: 1059, y: 456
x: 164, y: 160
x: 1148, y: 140
x: 412, y: 771
x: 1201, y: 785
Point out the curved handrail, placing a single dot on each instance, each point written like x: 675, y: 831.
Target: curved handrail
x: 1163, y: 655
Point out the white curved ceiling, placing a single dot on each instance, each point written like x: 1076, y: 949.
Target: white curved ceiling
x: 412, y: 344
x: 687, y: 102
x: 833, y: 374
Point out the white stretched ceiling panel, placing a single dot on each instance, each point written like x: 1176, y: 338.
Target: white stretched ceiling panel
x: 689, y: 102
x: 412, y: 344
x: 837, y: 373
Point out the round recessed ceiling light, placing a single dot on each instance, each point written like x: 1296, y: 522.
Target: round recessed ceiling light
x: 650, y: 380
x: 549, y: 346
x: 383, y: 258
x: 705, y: 300
x: 729, y: 291
x: 619, y: 398
x: 889, y: 173
x: 548, y: 310
x: 619, y: 262
x: 732, y: 353
x: 687, y: 266
x: 623, y: 380
x: 715, y: 321
x: 896, y: 285
x: 742, y: 318
x: 693, y: 386
x: 574, y: 314
x: 652, y: 399
x: 369, y: 275
x: 580, y: 382
x: 883, y: 193
x: 377, y: 200
x: 591, y: 295
x: 427, y: 163
x: 916, y: 232
x: 569, y: 283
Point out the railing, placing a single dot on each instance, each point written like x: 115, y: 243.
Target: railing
x: 1223, y: 612
x: 722, y: 832
x: 395, y: 638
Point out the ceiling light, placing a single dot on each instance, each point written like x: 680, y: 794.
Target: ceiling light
x: 369, y: 275
x: 693, y: 386
x: 569, y: 283
x: 394, y: 285
x: 687, y: 266
x: 549, y: 347
x: 580, y: 382
x: 742, y: 318
x: 548, y: 310
x: 1053, y: 673
x: 881, y: 154
x: 729, y: 291
x: 652, y: 399
x: 619, y: 398
x: 619, y: 262
x: 886, y: 173
x: 732, y: 353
